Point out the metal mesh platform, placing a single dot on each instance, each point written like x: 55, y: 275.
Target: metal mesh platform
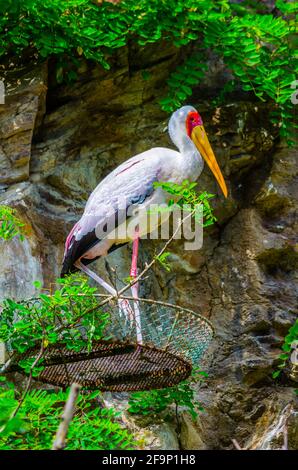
x: 174, y: 339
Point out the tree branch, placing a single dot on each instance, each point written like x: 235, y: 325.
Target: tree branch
x: 236, y: 445
x: 68, y: 412
x: 140, y: 276
x: 38, y: 357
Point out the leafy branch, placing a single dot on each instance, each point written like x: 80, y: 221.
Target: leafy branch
x: 10, y: 225
x: 182, y: 395
x: 91, y: 428
x: 72, y: 316
x: 68, y: 412
x: 187, y: 198
x: 48, y: 320
x: 257, y: 47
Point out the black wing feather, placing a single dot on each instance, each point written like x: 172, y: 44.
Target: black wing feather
x: 77, y: 248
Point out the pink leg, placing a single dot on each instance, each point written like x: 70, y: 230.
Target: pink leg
x: 135, y: 287
x: 134, y: 259
x: 124, y: 305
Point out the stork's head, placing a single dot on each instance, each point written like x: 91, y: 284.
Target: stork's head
x: 186, y: 123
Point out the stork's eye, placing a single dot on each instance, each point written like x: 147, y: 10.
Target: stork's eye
x: 191, y: 122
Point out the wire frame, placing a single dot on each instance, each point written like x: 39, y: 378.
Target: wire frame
x: 173, y: 340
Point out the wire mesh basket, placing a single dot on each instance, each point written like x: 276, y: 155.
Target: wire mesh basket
x: 173, y: 340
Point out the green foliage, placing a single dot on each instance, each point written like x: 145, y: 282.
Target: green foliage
x: 183, y: 80
x: 287, y: 348
x: 258, y: 48
x: 287, y: 7
x: 35, y: 426
x: 10, y: 225
x: 61, y: 317
x: 8, y: 403
x: 186, y: 197
x: 156, y: 401
x: 162, y: 259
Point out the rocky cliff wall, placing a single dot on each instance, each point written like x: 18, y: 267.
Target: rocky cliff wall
x: 58, y: 141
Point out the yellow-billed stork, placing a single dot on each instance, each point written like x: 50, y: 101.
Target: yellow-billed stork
x: 131, y: 185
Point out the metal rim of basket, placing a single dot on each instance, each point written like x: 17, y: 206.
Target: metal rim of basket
x: 141, y: 299
x: 179, y: 355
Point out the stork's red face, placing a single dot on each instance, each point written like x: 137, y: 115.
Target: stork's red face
x: 195, y: 130
x: 193, y: 120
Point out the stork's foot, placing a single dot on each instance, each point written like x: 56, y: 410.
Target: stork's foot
x: 131, y: 316
x: 126, y: 311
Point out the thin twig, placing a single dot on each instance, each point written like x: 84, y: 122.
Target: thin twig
x: 112, y: 274
x: 140, y: 299
x: 281, y: 428
x: 236, y: 445
x: 6, y: 365
x: 288, y: 412
x: 140, y: 276
x: 285, y: 433
x: 178, y: 429
x: 118, y: 295
x: 68, y: 412
x: 38, y: 357
x: 110, y: 298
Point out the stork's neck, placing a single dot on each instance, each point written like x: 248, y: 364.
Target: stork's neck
x: 191, y: 162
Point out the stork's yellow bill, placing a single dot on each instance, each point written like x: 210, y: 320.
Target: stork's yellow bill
x: 200, y: 139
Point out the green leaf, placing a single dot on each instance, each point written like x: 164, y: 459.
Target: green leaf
x: 276, y: 374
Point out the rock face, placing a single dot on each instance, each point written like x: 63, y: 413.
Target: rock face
x: 58, y: 142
